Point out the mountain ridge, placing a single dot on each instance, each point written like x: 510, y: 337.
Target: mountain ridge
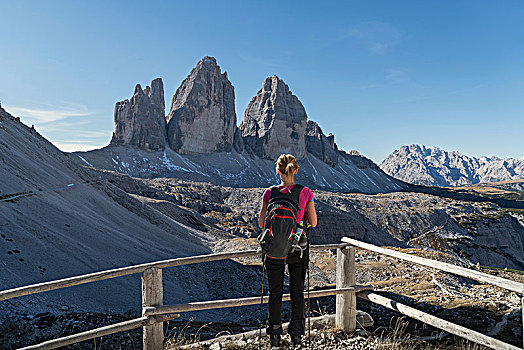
x: 203, y: 143
x: 433, y: 166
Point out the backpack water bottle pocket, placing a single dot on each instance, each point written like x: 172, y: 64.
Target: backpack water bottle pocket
x: 262, y: 238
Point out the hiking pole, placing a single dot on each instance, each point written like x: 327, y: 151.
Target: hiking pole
x: 308, y: 307
x: 261, y: 304
x: 308, y: 288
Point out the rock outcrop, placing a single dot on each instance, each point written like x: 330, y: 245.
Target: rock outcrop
x: 140, y: 122
x: 433, y: 166
x: 275, y: 122
x: 321, y: 146
x: 202, y: 118
x: 200, y: 140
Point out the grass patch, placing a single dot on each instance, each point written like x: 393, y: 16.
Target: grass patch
x: 502, y: 269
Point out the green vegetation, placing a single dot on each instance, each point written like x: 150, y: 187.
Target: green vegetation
x: 512, y: 210
x: 513, y: 196
x: 502, y: 269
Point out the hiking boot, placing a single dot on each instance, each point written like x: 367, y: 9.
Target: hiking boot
x: 274, y: 340
x: 296, y: 340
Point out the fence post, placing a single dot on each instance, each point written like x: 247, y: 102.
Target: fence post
x: 346, y: 305
x: 152, y: 295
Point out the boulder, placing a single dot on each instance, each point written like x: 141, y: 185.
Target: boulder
x: 140, y: 122
x: 202, y: 118
x: 275, y: 122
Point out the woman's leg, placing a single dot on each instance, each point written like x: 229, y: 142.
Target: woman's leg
x: 297, y: 273
x: 275, y: 278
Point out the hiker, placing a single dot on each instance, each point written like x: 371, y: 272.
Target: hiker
x: 297, y: 258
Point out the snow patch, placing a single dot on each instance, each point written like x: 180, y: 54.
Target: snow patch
x: 167, y: 163
x: 373, y: 182
x: 85, y: 161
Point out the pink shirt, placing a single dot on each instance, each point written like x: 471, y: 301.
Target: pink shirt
x: 305, y: 196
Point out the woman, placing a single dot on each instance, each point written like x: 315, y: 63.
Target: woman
x: 287, y: 168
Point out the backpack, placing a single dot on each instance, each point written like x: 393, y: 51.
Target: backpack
x: 280, y: 222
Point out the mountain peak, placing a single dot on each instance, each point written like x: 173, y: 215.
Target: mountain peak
x: 275, y: 121
x: 433, y: 166
x: 140, y: 122
x: 202, y: 118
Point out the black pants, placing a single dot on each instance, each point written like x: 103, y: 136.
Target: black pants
x: 275, y: 275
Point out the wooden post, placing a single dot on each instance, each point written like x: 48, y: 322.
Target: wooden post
x: 522, y: 322
x: 152, y: 295
x: 346, y: 305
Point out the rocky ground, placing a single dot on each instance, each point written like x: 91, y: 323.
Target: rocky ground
x: 331, y: 339
x: 473, y: 232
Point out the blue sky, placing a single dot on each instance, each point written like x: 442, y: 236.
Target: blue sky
x: 377, y: 74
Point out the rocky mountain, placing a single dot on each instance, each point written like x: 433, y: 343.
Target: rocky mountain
x: 140, y: 121
x: 202, y: 118
x: 433, y: 166
x: 275, y: 122
x: 204, y: 143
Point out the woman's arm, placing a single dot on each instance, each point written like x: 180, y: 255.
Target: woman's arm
x: 311, y: 214
x: 262, y: 215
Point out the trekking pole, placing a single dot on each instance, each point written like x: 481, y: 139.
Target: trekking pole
x: 261, y: 304
x: 308, y: 288
x: 308, y: 307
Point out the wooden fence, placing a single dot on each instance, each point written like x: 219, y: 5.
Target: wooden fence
x: 154, y: 313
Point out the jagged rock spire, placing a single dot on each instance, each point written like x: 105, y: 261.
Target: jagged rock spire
x: 275, y: 121
x: 202, y: 118
x: 140, y: 121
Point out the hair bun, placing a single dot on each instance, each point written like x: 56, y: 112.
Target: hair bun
x: 287, y: 164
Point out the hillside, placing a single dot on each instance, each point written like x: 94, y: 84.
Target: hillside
x: 352, y: 173
x: 61, y: 220
x: 432, y: 166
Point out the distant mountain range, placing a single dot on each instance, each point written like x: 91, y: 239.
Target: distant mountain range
x: 432, y: 166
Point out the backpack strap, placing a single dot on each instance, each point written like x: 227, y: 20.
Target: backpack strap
x: 293, y: 195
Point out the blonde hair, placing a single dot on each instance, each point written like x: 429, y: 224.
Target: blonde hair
x: 287, y: 164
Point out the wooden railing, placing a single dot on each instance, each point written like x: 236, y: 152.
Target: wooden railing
x: 154, y: 313
x: 450, y: 327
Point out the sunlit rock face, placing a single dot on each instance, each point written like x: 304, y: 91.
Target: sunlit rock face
x: 275, y: 122
x: 202, y: 118
x: 140, y: 121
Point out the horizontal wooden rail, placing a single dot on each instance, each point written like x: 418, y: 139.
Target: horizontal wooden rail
x: 437, y: 322
x: 129, y: 270
x: 100, y: 332
x: 219, y: 304
x: 439, y: 265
